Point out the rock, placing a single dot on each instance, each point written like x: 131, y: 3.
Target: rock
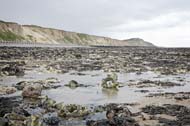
x: 30, y: 110
x: 110, y: 114
x: 103, y: 122
x: 48, y: 102
x: 22, y: 84
x: 142, y: 91
x: 74, y: 111
x: 51, y: 119
x: 35, y: 121
x: 3, y: 122
x: 4, y: 90
x: 15, y: 119
x: 7, y: 104
x: 177, y: 96
x: 149, y: 83
x: 52, y: 80
x: 181, y: 112
x: 74, y: 84
x: 122, y: 121
x: 46, y: 84
x: 168, y: 122
x: 110, y: 81
x: 119, y: 109
x: 117, y: 115
x: 12, y: 70
x: 32, y: 91
x: 99, y: 108
x: 59, y: 106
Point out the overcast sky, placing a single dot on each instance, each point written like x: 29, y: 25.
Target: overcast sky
x: 162, y: 22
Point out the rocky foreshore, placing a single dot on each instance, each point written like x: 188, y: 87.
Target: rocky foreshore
x: 38, y: 86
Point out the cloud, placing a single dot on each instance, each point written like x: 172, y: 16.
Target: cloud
x: 159, y: 22
x: 113, y: 18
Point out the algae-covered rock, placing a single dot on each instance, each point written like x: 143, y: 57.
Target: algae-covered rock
x: 48, y: 102
x: 72, y: 84
x: 59, y: 106
x: 110, y: 81
x: 15, y: 119
x: 74, y: 111
x: 35, y: 121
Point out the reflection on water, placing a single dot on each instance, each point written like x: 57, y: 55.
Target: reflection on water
x: 94, y: 94
x: 110, y: 93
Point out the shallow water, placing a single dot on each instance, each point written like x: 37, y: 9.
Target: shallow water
x: 94, y: 94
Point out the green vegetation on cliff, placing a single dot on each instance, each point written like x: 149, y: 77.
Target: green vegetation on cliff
x: 9, y: 36
x: 68, y: 39
x: 82, y: 36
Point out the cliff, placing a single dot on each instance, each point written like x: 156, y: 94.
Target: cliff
x: 10, y: 31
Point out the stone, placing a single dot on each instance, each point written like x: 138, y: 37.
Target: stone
x: 46, y: 84
x: 22, y: 84
x: 73, y: 111
x: 117, y: 115
x: 32, y: 91
x: 48, y: 102
x: 4, y: 90
x: 59, y: 106
x: 110, y: 81
x: 35, y: 121
x: 15, y: 119
x: 7, y: 104
x: 13, y: 70
x: 73, y: 84
x: 3, y: 121
x: 51, y: 119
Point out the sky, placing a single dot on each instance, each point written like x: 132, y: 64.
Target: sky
x: 162, y: 22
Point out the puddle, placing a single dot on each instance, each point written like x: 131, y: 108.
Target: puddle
x: 95, y: 94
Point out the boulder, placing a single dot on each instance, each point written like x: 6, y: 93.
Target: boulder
x: 110, y: 81
x: 7, y: 90
x: 73, y: 84
x: 51, y: 119
x: 73, y: 111
x: 15, y: 119
x: 32, y: 91
x: 46, y: 84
